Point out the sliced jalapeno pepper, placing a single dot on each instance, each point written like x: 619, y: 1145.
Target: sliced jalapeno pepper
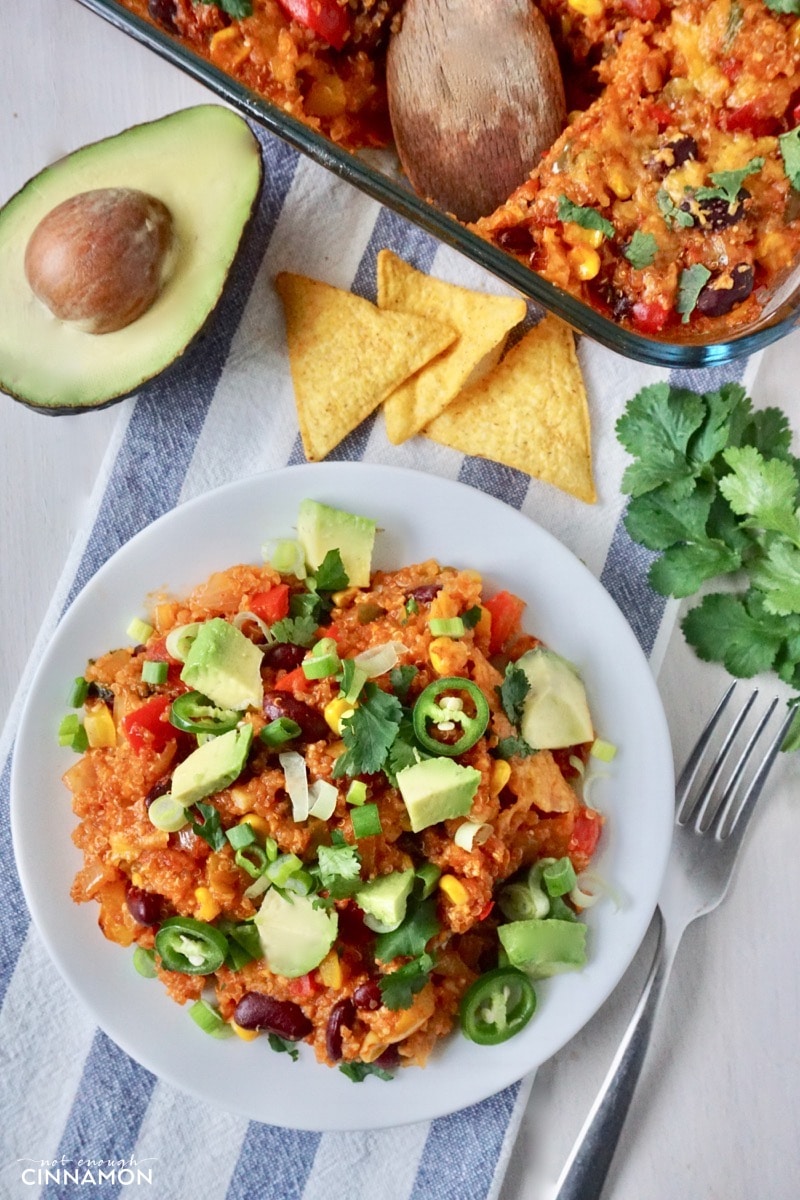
x: 190, y: 946
x: 497, y: 1006
x: 436, y: 704
x: 194, y: 713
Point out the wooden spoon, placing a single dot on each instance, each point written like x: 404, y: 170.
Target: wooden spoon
x: 475, y: 96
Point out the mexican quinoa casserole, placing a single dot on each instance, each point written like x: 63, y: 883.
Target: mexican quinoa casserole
x: 344, y: 807
x: 669, y: 202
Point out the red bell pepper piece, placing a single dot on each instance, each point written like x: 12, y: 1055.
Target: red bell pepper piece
x: 326, y: 18
x: 272, y: 605
x: 293, y: 681
x: 750, y: 118
x: 649, y: 316
x: 305, y: 986
x: 585, y: 835
x: 487, y: 908
x: 506, y: 611
x: 645, y: 10
x: 147, y: 728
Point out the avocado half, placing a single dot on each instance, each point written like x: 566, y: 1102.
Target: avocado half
x: 205, y: 165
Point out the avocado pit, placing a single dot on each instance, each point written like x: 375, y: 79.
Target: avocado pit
x: 99, y: 259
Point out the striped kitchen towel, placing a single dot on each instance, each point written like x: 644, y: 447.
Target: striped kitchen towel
x: 67, y: 1093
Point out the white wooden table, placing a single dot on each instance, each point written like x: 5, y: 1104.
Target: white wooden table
x: 717, y: 1113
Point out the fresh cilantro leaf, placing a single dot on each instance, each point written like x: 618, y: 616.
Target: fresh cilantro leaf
x: 778, y: 576
x: 401, y: 678
x: 691, y: 282
x: 728, y: 415
x: 641, y: 250
x: 720, y: 629
x: 655, y: 428
x: 513, y: 691
x: 310, y: 604
x: 762, y: 490
x: 205, y: 822
x: 401, y: 986
x: 471, y: 616
x: 783, y: 6
x: 728, y: 184
x: 282, y: 1046
x: 789, y: 144
x: 771, y: 434
x: 672, y: 214
x: 403, y: 752
x: 412, y: 935
x: 587, y: 218
x: 513, y: 747
x: 331, y: 575
x: 369, y: 733
x: 358, y: 1071
x: 411, y: 606
x: 234, y: 8
x: 338, y: 862
x: 657, y: 520
x: 300, y: 631
x: 682, y: 569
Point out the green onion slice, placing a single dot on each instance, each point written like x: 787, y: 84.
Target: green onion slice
x: 209, y: 1020
x: 357, y: 793
x: 167, y: 814
x: 366, y: 821
x: 279, y: 732
x: 179, y: 640
x: 559, y: 877
x: 447, y: 626
x: 139, y: 631
x: 154, y: 672
x: 78, y: 693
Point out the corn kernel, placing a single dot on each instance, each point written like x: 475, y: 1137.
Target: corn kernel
x: 256, y: 823
x: 437, y: 652
x: 345, y: 598
x: 575, y: 235
x: 207, y: 907
x: 136, y: 879
x: 164, y: 616
x: 335, y: 710
x: 584, y: 262
x: 794, y: 35
x: 247, y: 1035
x: 222, y: 47
x: 587, y: 8
x: 619, y: 184
x: 454, y: 889
x: 501, y: 773
x: 336, y: 748
x: 330, y: 970
x: 99, y: 725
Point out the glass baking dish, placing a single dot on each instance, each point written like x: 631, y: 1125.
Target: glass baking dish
x: 779, y: 317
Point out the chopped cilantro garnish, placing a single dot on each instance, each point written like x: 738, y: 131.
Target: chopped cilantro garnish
x: 513, y: 691
x: 358, y: 1071
x: 641, y: 249
x: 411, y: 606
x: 282, y: 1046
x: 587, y: 218
x: 401, y: 986
x: 413, y: 934
x: 331, y: 575
x: 789, y: 144
x: 472, y: 616
x: 513, y: 747
x: 369, y: 733
x: 234, y: 8
x: 728, y: 184
x: 400, y: 679
x: 690, y: 284
x: 403, y: 751
x: 783, y: 6
x: 309, y: 604
x: 205, y: 822
x: 339, y: 862
x: 716, y: 490
x: 672, y: 214
x: 300, y: 631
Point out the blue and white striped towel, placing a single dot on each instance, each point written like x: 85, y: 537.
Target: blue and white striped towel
x: 66, y: 1092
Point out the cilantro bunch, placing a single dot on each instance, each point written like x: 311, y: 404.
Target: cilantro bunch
x: 715, y: 490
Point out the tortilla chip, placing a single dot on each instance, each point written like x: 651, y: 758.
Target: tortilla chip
x: 482, y: 320
x: 346, y: 356
x: 530, y: 412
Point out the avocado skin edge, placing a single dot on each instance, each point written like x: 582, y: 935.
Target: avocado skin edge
x: 188, y: 351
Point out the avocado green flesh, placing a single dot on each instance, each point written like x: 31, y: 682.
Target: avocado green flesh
x: 385, y: 898
x: 321, y: 528
x: 205, y: 165
x: 224, y: 665
x: 437, y: 789
x: 212, y: 766
x: 544, y: 947
x: 555, y: 712
x: 295, y: 936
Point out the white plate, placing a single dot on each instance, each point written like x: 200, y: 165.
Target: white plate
x: 419, y: 516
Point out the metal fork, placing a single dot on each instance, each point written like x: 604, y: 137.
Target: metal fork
x: 710, y: 824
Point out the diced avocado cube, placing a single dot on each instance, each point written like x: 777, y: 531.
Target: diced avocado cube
x: 544, y: 947
x: 555, y: 712
x: 321, y: 528
x: 384, y: 899
x: 437, y: 789
x: 295, y: 936
x: 212, y: 766
x: 224, y: 665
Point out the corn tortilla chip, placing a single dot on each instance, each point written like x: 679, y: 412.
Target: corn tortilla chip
x: 346, y: 356
x: 530, y: 412
x: 483, y: 321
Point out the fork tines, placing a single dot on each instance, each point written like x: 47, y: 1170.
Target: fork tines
x: 722, y: 804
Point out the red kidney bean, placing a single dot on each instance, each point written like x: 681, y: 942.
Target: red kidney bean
x: 313, y: 726
x: 390, y: 1058
x: 368, y: 995
x: 144, y: 907
x: 163, y: 12
x: 283, y: 1017
x: 352, y: 930
x: 342, y: 1013
x: 516, y: 240
x: 725, y: 290
x: 425, y: 592
x: 158, y: 789
x: 283, y: 656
